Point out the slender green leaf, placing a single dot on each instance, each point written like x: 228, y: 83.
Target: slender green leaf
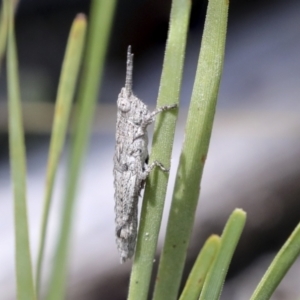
x: 66, y: 90
x: 25, y: 285
x: 3, y: 29
x: 200, y: 269
x: 278, y: 268
x: 4, y: 25
x: 194, y: 152
x: 215, y: 279
x: 101, y: 16
x: 162, y: 147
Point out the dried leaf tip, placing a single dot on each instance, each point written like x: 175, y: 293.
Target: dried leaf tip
x: 128, y: 81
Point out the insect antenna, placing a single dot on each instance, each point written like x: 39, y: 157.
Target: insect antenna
x: 128, y: 80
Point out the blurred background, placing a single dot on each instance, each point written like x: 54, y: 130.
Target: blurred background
x: 253, y: 161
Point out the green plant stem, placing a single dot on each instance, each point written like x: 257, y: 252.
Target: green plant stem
x: 24, y: 274
x: 101, y: 16
x: 66, y: 90
x: 194, y: 152
x: 231, y: 234
x: 156, y: 186
x: 279, y: 267
x: 200, y: 269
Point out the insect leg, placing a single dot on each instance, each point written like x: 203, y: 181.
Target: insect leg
x: 151, y: 116
x: 154, y: 164
x: 162, y: 108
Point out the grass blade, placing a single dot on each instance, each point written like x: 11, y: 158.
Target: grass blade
x: 162, y: 147
x: 200, y: 269
x: 25, y: 285
x: 4, y: 16
x: 65, y: 95
x: 3, y: 29
x: 101, y: 16
x: 215, y: 279
x: 279, y: 267
x: 194, y: 152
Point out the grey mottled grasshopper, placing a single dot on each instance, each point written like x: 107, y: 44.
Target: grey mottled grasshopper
x: 130, y: 161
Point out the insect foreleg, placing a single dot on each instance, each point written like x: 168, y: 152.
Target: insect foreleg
x: 151, y: 116
x: 161, y: 109
x: 149, y: 168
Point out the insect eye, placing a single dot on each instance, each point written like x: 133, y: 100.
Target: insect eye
x: 123, y: 104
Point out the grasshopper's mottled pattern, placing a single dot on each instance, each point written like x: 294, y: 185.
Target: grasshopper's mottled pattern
x: 130, y: 161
